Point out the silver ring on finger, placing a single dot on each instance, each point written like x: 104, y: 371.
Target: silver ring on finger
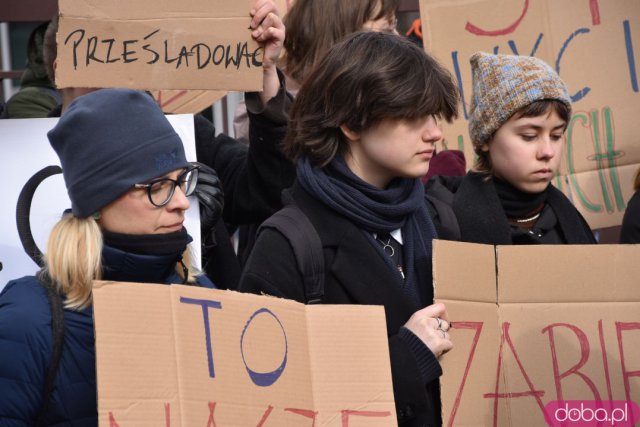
x: 439, y: 320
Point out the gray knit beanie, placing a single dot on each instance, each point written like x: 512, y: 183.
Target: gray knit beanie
x: 504, y: 84
x: 109, y: 140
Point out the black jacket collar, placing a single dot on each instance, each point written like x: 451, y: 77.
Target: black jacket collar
x: 121, y: 266
x: 356, y: 264
x: 482, y: 220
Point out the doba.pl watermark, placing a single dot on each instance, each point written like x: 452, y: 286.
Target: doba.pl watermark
x: 579, y: 413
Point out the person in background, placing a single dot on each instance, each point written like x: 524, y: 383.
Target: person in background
x: 363, y: 129
x: 311, y: 31
x: 252, y: 176
x: 37, y: 94
x: 126, y: 174
x: 630, y: 231
x: 519, y: 112
x: 446, y: 163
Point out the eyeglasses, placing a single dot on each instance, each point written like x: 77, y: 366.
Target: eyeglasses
x: 161, y: 190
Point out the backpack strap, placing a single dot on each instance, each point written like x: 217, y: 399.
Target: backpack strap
x: 293, y: 224
x: 57, y: 329
x: 448, y: 227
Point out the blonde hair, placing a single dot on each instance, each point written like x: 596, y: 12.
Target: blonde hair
x: 73, y: 259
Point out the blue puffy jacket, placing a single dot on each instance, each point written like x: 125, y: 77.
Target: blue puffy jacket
x: 26, y: 345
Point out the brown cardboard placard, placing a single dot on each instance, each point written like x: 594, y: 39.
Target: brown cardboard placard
x: 183, y: 356
x: 194, y: 101
x: 186, y: 101
x: 151, y: 44
x: 536, y: 324
x: 595, y: 47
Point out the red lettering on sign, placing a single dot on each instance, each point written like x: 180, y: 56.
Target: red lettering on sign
x: 574, y: 370
x: 163, y: 104
x: 497, y: 395
x: 605, y: 362
x: 477, y: 326
x: 305, y: 413
x: 501, y: 32
x: 595, y: 12
x: 626, y: 326
x: 112, y: 420
x: 265, y: 416
x: 371, y: 414
x: 212, y: 420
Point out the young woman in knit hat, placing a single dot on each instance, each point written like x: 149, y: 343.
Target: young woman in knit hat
x: 362, y: 131
x: 520, y: 109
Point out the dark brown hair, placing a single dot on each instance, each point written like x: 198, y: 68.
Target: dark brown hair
x: 313, y: 26
x: 366, y: 78
x: 49, y: 48
x: 535, y: 109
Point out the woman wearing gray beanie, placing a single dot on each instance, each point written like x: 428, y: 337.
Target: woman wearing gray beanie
x: 128, y: 180
x: 128, y: 184
x: 520, y: 110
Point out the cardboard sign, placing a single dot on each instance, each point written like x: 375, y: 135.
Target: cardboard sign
x: 186, y: 101
x: 594, y: 46
x: 27, y: 150
x: 537, y: 324
x: 188, y: 356
x: 151, y: 44
x: 194, y: 101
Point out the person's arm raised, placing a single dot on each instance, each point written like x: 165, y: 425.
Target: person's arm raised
x: 268, y: 29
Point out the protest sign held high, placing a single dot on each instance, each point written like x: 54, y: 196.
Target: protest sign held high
x: 158, y: 45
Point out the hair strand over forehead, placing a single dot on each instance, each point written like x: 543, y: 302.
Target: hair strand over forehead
x: 367, y: 78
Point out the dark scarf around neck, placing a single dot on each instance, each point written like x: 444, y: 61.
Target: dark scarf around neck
x: 516, y: 203
x: 148, y: 258
x: 149, y: 244
x: 400, y: 205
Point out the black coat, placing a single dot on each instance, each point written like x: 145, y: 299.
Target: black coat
x: 630, y: 231
x: 355, y: 273
x: 252, y: 177
x: 481, y: 218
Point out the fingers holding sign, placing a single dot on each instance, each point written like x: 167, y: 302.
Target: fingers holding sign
x: 431, y: 325
x: 267, y: 28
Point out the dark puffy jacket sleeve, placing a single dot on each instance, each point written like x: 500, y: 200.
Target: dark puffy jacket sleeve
x: 25, y: 349
x: 252, y: 177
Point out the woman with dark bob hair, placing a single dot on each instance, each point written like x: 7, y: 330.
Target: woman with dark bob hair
x: 362, y: 131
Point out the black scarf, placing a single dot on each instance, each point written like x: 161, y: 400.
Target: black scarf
x: 516, y: 203
x: 400, y: 205
x: 148, y: 244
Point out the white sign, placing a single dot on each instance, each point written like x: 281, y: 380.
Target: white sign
x: 25, y: 151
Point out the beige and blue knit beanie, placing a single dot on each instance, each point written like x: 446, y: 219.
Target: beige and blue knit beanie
x: 504, y: 84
